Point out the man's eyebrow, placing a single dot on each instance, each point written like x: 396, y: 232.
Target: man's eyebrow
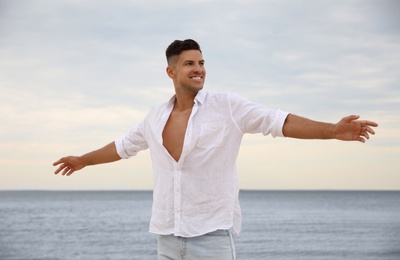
x: 185, y: 61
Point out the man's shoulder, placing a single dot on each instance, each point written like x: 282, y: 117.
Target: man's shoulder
x: 219, y: 95
x: 227, y: 96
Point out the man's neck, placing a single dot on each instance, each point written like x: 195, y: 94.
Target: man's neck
x: 184, y: 101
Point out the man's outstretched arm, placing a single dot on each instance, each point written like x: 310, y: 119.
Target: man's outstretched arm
x: 347, y: 129
x: 70, y: 164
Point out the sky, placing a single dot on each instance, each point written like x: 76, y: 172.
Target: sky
x: 76, y: 75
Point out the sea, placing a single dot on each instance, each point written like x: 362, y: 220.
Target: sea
x: 277, y: 225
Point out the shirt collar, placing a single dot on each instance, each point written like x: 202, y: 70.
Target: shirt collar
x: 200, y: 97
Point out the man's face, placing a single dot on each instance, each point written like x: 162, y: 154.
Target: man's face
x: 187, y: 71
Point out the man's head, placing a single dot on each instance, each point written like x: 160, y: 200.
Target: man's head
x: 177, y: 47
x: 186, y: 66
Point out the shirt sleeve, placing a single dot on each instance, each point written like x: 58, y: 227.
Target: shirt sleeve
x: 132, y: 143
x: 251, y: 117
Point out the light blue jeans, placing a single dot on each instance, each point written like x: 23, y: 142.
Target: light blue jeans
x: 217, y: 245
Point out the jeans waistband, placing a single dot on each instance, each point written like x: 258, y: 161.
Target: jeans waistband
x: 219, y: 232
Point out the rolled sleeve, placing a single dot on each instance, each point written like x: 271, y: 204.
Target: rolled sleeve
x: 132, y: 143
x: 254, y: 118
x: 280, y: 119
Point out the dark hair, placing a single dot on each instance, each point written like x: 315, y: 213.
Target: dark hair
x: 177, y: 46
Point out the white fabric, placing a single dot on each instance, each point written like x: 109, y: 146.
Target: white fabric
x: 199, y: 193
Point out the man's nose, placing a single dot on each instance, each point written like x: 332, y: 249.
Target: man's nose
x: 198, y: 68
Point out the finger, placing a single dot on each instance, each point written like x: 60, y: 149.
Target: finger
x: 369, y: 130
x: 351, y: 118
x: 365, y: 134
x: 62, y: 166
x: 66, y: 169
x: 371, y: 123
x: 57, y: 162
x: 368, y: 123
x: 70, y: 172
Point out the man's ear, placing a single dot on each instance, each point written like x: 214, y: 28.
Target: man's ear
x: 170, y: 71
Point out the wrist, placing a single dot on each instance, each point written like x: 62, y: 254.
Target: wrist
x: 332, y: 133
x: 85, y: 160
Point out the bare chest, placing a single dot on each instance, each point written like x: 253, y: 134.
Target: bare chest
x: 174, y: 132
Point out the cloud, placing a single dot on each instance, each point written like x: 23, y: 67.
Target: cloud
x: 76, y: 74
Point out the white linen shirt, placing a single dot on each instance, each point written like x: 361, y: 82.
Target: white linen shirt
x: 199, y: 193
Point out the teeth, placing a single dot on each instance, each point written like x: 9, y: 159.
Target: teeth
x: 196, y: 77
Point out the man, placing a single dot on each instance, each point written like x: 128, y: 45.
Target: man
x: 194, y: 141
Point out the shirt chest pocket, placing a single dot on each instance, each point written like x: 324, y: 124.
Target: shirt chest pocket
x: 211, y: 134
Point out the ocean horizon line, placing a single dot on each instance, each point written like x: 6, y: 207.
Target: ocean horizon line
x: 245, y: 190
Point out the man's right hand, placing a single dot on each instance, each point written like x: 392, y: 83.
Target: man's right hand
x: 69, y: 165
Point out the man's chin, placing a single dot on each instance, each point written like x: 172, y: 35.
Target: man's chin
x: 197, y: 88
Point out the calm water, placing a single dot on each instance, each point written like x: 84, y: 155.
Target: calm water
x: 277, y: 225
